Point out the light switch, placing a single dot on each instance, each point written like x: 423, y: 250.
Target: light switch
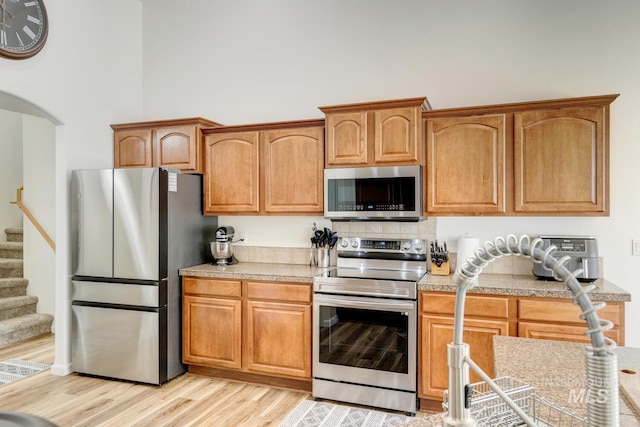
x: 635, y: 247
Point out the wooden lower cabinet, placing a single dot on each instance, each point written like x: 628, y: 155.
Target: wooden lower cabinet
x: 545, y: 318
x: 278, y: 338
x: 246, y: 330
x: 490, y: 315
x: 436, y: 331
x: 212, y: 333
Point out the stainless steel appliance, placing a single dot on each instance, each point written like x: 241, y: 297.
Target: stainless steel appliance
x: 221, y: 249
x: 365, y: 323
x: 392, y: 192
x: 583, y: 253
x: 132, y: 229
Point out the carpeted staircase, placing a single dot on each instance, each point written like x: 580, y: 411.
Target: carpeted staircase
x: 18, y: 317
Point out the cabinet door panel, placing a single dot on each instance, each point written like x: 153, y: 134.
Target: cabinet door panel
x: 436, y: 333
x: 398, y: 135
x: 474, y: 305
x: 466, y: 159
x: 231, y: 173
x: 558, y: 311
x: 212, y: 330
x: 278, y: 339
x: 293, y: 167
x: 571, y: 333
x: 210, y: 287
x: 279, y: 291
x: 177, y: 148
x: 347, y: 138
x: 133, y: 148
x: 560, y: 160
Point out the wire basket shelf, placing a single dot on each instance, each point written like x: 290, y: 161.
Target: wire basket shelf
x: 489, y: 410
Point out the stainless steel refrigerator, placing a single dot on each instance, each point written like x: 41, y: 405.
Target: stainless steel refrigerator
x: 132, y: 229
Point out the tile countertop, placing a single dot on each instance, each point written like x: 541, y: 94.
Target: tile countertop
x: 495, y: 284
x: 555, y: 369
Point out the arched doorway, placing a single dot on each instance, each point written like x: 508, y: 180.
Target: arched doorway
x: 38, y: 134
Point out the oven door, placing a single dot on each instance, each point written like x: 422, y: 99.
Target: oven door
x: 370, y: 341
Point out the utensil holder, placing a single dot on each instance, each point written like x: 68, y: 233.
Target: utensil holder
x: 323, y: 257
x: 443, y: 270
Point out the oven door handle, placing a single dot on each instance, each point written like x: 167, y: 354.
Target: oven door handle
x: 365, y: 303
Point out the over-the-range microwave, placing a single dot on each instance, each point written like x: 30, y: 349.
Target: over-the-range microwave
x: 373, y: 193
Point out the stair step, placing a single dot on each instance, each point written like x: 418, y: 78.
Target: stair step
x: 11, y: 250
x: 11, y: 268
x: 14, y: 234
x: 24, y: 327
x: 13, y: 287
x: 17, y: 306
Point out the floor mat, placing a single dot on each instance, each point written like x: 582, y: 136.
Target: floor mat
x: 15, y: 369
x: 322, y: 414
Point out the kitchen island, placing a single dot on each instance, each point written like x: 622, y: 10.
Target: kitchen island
x: 555, y: 369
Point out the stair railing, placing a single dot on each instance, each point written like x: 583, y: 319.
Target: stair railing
x: 33, y: 220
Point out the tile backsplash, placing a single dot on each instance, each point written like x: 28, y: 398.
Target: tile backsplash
x: 425, y: 229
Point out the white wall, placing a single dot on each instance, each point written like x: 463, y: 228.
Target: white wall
x: 88, y: 75
x: 252, y: 61
x: 40, y: 198
x: 10, y: 169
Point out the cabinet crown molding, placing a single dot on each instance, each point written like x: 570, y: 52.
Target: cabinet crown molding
x: 421, y: 102
x: 587, y: 101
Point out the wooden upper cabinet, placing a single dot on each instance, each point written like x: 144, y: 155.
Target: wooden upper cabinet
x: 347, y: 139
x: 382, y: 133
x: 231, y: 175
x: 173, y: 144
x: 530, y: 158
x: 293, y: 168
x: 466, y: 165
x: 133, y: 148
x: 560, y: 160
x: 178, y: 148
x: 274, y: 168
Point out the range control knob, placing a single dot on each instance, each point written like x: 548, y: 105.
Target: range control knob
x: 344, y: 243
x: 406, y: 246
x: 418, y: 246
x: 354, y: 244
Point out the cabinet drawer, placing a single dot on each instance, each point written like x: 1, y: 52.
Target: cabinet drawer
x: 571, y: 333
x: 564, y: 311
x: 279, y: 291
x: 475, y: 305
x: 222, y: 288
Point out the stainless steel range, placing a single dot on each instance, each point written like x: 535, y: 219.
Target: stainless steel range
x: 365, y: 323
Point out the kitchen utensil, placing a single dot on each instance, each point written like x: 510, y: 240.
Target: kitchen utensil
x: 439, y: 259
x: 221, y: 249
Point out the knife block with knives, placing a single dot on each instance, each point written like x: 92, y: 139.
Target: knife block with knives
x: 440, y: 259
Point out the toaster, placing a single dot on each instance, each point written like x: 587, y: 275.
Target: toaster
x: 583, y: 251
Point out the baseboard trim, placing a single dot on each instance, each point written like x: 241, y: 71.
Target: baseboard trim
x: 287, y: 383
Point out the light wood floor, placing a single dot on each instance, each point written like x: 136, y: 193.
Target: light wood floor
x: 188, y: 400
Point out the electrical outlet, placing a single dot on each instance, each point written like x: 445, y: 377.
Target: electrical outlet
x: 635, y: 247
x: 243, y: 237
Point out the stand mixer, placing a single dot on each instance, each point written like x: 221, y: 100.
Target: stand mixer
x: 221, y: 249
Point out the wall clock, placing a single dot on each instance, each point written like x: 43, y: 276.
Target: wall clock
x: 23, y: 28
